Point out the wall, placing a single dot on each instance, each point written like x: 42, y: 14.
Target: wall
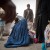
x: 21, y: 5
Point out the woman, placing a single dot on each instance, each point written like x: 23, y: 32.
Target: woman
x: 19, y: 35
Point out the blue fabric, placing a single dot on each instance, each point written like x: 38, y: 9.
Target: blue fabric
x: 43, y: 46
x: 19, y: 35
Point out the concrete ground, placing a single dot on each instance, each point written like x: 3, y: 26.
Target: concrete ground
x: 31, y: 47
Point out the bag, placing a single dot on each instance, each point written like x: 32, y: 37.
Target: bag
x: 35, y: 40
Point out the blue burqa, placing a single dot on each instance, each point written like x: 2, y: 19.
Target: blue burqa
x: 19, y: 35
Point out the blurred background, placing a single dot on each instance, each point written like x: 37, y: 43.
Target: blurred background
x: 21, y: 5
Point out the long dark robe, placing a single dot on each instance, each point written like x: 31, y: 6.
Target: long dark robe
x: 41, y: 19
x: 19, y: 35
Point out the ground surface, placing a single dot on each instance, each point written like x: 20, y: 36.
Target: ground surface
x: 31, y: 47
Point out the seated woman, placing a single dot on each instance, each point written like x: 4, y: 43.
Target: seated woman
x: 19, y: 35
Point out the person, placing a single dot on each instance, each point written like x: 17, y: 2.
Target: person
x: 47, y: 37
x: 10, y: 13
x: 47, y: 34
x: 19, y: 35
x: 41, y: 19
x: 28, y: 15
x: 2, y: 24
x: 10, y: 10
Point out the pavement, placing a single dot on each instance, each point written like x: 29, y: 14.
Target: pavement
x: 31, y: 47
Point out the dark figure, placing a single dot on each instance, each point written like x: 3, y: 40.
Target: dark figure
x: 28, y: 13
x: 42, y: 17
x: 10, y: 10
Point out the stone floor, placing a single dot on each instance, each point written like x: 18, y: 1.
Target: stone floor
x: 31, y: 47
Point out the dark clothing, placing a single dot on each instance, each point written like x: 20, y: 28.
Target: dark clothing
x: 10, y: 10
x: 41, y: 20
x: 28, y: 14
